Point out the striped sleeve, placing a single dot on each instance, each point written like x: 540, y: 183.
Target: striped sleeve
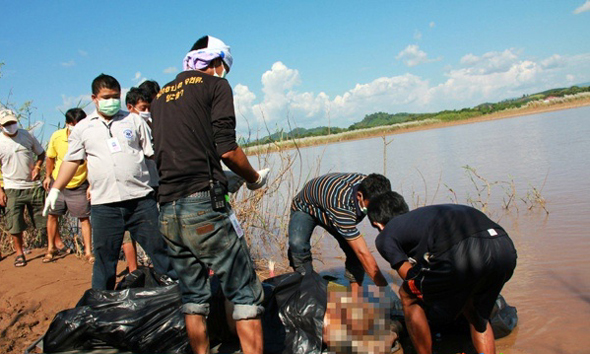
x: 329, y: 198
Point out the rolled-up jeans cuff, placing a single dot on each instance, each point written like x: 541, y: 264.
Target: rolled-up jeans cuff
x: 195, y: 309
x: 247, y: 312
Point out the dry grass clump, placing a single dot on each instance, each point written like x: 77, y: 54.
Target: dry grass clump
x: 264, y: 214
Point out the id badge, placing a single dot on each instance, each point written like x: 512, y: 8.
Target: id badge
x: 114, y: 145
x: 236, y: 224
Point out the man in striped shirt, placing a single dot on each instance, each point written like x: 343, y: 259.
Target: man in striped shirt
x: 337, y: 202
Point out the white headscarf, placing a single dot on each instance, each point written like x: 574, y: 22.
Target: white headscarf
x: 199, y: 59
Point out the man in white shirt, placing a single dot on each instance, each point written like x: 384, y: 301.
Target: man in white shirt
x: 115, y: 144
x: 21, y: 157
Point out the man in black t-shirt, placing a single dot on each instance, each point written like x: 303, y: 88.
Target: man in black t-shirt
x: 194, y: 130
x: 453, y: 260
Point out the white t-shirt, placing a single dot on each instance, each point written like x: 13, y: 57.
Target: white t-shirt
x: 115, y: 151
x: 17, y: 157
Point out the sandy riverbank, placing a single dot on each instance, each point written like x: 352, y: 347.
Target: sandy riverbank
x: 412, y: 127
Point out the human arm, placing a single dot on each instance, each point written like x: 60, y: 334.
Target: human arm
x: 360, y: 248
x: 49, y: 166
x: 2, y: 197
x: 403, y: 268
x: 223, y: 124
x: 237, y: 161
x: 36, y: 173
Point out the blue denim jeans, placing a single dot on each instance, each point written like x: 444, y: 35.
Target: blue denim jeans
x: 109, y: 222
x: 301, y: 227
x: 200, y: 239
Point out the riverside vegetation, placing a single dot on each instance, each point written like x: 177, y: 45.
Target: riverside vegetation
x: 381, y: 124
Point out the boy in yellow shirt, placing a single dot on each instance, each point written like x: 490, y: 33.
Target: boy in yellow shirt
x: 75, y: 197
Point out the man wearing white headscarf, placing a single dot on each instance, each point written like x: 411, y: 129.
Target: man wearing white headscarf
x: 194, y: 130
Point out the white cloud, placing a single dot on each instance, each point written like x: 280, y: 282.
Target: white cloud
x: 488, y: 77
x: 413, y: 56
x: 492, y: 62
x: 83, y: 101
x: 82, y: 52
x: 417, y: 35
x: 243, y: 100
x: 138, y: 79
x: 585, y: 7
x: 170, y: 70
x: 554, y: 61
x: 68, y: 64
x: 432, y: 24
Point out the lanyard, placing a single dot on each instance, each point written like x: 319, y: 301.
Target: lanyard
x: 108, y: 126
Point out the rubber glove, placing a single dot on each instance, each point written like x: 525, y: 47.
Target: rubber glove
x: 50, y: 200
x: 262, y: 177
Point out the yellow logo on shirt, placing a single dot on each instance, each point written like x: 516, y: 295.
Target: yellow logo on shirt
x: 174, y: 92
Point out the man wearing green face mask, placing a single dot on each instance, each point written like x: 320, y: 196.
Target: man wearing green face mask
x: 116, y: 144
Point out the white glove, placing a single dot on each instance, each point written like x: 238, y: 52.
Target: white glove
x: 262, y: 177
x: 234, y: 182
x: 50, y: 200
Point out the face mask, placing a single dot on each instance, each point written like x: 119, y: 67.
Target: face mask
x: 223, y: 73
x: 147, y: 116
x: 109, y: 107
x: 10, y: 129
x: 364, y: 208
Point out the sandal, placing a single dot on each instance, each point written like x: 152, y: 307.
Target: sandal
x: 20, y: 261
x: 90, y: 258
x: 64, y: 250
x: 49, y: 256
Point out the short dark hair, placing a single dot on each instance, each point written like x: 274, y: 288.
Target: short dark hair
x: 151, y: 87
x: 74, y: 115
x: 135, y: 95
x: 201, y: 43
x: 104, y: 81
x: 386, y: 206
x: 373, y: 185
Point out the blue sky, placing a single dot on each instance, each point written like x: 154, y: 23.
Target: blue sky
x: 309, y: 63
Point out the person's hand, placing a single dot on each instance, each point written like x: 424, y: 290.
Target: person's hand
x: 88, y: 194
x: 234, y: 182
x: 3, y: 198
x: 50, y: 200
x: 46, y: 183
x: 36, y: 174
x: 260, y: 182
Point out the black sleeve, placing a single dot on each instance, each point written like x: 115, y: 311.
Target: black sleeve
x: 223, y: 118
x: 389, y: 248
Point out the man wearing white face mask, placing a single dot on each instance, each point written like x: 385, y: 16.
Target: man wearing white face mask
x: 115, y: 144
x: 194, y: 126
x: 138, y: 102
x: 21, y: 157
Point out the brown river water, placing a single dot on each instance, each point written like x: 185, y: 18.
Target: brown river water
x: 548, y: 152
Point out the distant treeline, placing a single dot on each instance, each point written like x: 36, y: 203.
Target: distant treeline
x: 384, y: 119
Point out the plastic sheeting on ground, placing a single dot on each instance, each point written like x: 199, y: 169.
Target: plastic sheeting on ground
x: 149, y: 320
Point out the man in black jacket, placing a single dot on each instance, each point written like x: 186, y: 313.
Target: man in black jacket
x: 453, y: 260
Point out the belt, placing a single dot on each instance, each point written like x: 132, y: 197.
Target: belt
x: 200, y: 194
